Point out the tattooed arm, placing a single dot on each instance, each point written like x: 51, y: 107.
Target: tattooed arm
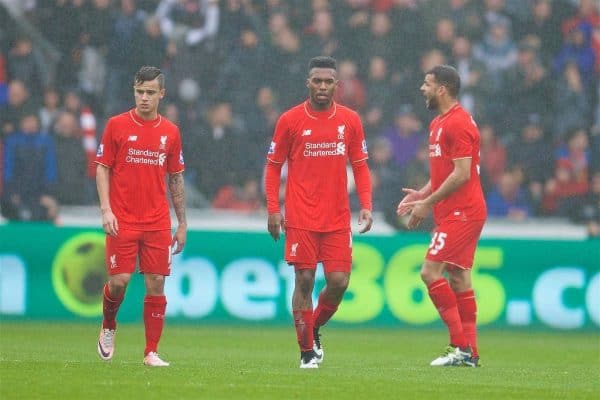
x: 176, y: 188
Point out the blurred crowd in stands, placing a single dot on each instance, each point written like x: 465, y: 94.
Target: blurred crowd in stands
x: 530, y: 72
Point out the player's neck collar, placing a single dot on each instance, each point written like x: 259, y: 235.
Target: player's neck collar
x: 142, y: 122
x: 454, y: 107
x: 314, y: 114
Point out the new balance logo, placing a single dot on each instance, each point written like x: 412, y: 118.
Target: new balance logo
x: 306, y: 132
x: 132, y: 138
x: 158, y: 315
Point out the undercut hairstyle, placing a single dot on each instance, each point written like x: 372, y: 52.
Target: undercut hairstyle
x: 147, y: 73
x: 447, y: 76
x: 322, y: 62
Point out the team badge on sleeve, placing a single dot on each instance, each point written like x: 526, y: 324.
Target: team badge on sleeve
x: 100, y: 151
x: 272, y: 148
x: 181, y: 158
x: 364, y: 147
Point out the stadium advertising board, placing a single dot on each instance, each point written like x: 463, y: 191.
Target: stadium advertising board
x: 222, y: 277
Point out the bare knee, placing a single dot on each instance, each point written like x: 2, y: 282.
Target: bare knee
x: 431, y: 272
x: 460, y: 280
x: 155, y: 284
x: 337, y: 283
x: 117, y: 284
x: 305, y: 281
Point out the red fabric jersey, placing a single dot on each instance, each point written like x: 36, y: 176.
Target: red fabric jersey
x: 139, y: 154
x: 454, y: 135
x: 317, y: 146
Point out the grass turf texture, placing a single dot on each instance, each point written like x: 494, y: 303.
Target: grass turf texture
x: 59, y: 361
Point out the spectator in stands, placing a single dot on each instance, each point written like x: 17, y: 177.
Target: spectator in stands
x: 532, y: 153
x: 445, y: 34
x: 29, y: 173
x: 508, y: 198
x: 62, y: 23
x: 351, y: 91
x: 572, y: 107
x: 527, y: 88
x: 576, y: 151
x: 244, y: 197
x: 151, y: 47
x: 49, y: 109
x: 474, y: 85
x: 243, y: 69
x: 589, y: 212
x: 543, y: 26
x: 97, y: 28
x: 497, y: 51
x: 73, y: 186
x: 380, y: 97
x: 19, y: 104
x: 377, y: 42
x: 120, y: 65
x: 287, y: 66
x: 223, y: 147
x: 405, y: 136
x: 563, y: 193
x: 493, y: 157
x: 25, y: 66
x: 577, y: 47
x: 321, y: 36
x: 189, y: 21
x: 386, y: 179
x: 407, y: 23
x: 260, y: 122
x: 73, y: 103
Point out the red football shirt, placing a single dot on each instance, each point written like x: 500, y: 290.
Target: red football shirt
x: 454, y: 135
x: 317, y: 146
x: 139, y: 154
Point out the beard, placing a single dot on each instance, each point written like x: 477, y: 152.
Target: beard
x: 432, y: 103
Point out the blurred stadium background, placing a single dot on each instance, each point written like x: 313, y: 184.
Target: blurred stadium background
x: 530, y: 72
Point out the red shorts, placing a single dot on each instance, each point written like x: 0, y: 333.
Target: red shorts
x: 454, y: 243
x: 153, y: 248
x: 304, y: 249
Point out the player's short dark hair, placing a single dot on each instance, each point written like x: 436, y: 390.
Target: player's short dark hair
x: 322, y: 62
x: 447, y: 76
x: 148, y: 73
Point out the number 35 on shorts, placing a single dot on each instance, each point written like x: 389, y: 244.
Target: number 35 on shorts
x: 438, y: 241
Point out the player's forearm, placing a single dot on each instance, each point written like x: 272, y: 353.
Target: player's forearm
x: 362, y: 178
x: 272, y: 183
x: 452, y: 183
x: 426, y: 190
x: 103, y: 187
x: 177, y: 190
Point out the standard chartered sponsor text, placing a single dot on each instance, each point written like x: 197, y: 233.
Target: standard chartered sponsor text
x: 137, y: 156
x: 322, y: 149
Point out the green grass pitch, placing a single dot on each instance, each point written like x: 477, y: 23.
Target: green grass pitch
x: 59, y: 361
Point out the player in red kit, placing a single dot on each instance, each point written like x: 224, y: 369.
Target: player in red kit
x: 317, y: 138
x: 138, y: 148
x: 459, y: 212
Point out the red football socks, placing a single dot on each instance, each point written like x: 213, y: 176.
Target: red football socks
x: 323, y: 312
x: 467, y: 308
x: 444, y: 300
x: 154, y: 319
x: 110, y: 307
x: 303, y: 320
